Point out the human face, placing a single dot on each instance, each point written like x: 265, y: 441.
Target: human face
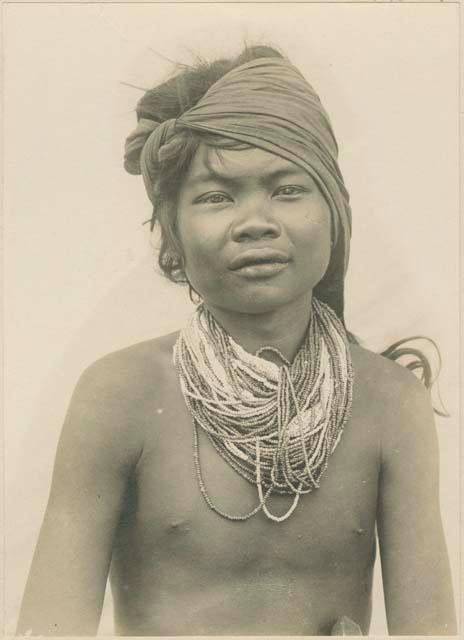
x: 254, y: 228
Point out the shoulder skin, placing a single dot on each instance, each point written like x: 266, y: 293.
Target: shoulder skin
x: 396, y: 397
x: 110, y: 405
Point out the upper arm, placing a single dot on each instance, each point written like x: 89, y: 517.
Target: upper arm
x: 415, y: 566
x: 95, y: 455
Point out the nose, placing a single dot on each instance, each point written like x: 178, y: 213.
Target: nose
x: 256, y: 222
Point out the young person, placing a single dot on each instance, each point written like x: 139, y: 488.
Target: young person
x: 231, y: 477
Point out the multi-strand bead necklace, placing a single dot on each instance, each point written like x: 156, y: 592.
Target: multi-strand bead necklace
x: 275, y: 425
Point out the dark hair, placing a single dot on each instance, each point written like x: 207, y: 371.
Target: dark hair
x: 170, y: 100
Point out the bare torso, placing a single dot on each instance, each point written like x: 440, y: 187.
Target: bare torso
x: 178, y: 568
x: 125, y: 498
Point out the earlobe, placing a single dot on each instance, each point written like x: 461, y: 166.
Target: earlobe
x: 193, y: 295
x: 177, y: 257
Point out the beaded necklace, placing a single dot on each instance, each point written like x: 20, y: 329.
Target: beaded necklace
x: 276, y: 426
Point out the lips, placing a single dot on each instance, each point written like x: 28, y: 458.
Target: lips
x: 254, y: 257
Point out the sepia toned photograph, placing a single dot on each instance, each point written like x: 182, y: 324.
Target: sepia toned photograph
x: 231, y: 319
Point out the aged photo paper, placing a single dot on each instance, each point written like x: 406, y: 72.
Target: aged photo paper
x: 81, y: 272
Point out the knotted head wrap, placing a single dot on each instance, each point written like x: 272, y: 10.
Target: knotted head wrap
x: 268, y: 104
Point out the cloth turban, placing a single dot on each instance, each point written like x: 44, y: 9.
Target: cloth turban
x: 268, y: 104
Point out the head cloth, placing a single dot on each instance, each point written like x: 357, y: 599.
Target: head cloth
x: 268, y: 104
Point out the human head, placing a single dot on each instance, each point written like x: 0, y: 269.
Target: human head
x: 173, y: 118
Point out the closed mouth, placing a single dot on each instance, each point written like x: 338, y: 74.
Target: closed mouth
x: 255, y: 257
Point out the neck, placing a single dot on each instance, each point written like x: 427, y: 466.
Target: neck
x: 282, y: 329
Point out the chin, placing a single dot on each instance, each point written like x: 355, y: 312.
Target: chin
x: 259, y: 302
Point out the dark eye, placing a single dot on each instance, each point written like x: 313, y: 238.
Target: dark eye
x: 214, y: 198
x: 289, y: 191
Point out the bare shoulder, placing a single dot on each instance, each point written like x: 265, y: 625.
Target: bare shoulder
x: 385, y: 376
x: 114, y: 404
x: 399, y: 401
x: 133, y: 371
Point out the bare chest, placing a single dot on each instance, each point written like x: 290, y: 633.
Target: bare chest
x: 168, y: 519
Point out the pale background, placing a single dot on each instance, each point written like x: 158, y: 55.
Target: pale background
x: 80, y: 270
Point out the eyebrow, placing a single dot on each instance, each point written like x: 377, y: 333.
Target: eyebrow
x: 212, y: 175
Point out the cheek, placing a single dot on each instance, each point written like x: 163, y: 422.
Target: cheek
x: 200, y: 254
x: 314, y: 239
x: 195, y: 246
x: 188, y: 238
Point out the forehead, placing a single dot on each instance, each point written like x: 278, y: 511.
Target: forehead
x: 211, y: 163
